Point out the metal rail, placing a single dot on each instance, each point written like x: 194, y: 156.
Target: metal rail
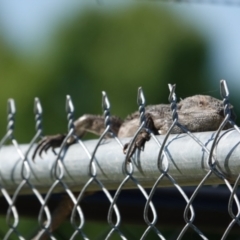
x: 187, y: 163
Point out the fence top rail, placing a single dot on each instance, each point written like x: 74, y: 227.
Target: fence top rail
x: 187, y: 163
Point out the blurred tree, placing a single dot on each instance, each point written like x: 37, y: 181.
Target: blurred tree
x: 112, y: 50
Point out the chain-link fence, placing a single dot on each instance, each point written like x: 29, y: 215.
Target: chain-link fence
x: 171, y: 160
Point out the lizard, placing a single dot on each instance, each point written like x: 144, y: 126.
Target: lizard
x: 198, y: 113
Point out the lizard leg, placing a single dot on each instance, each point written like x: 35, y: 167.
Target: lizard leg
x: 86, y: 123
x: 143, y: 136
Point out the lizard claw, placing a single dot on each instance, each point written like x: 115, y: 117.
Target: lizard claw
x: 138, y: 144
x: 48, y: 142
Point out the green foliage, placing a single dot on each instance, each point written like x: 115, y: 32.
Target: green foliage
x: 116, y: 51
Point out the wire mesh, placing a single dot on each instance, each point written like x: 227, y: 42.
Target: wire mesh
x: 101, y: 165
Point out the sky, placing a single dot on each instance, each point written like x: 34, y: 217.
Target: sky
x: 26, y: 24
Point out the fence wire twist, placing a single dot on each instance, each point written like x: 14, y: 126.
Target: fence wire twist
x: 130, y: 163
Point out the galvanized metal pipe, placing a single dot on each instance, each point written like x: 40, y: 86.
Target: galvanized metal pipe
x: 187, y: 163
